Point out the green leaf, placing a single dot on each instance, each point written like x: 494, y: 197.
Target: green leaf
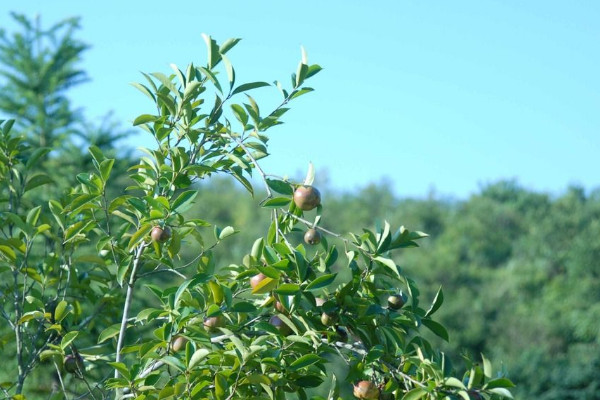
x: 487, y: 367
x: 288, y: 289
x: 310, y: 175
x: 502, y: 392
x: 184, y: 201
x: 280, y: 186
x: 388, y: 263
x: 277, y: 202
x: 499, y: 383
x: 109, y: 332
x: 122, y: 368
x: 105, y: 168
x: 266, y: 285
x: 138, y: 236
x: 35, y: 156
x: 437, y: 302
x: 436, y: 328
x: 249, y: 86
x: 144, y: 119
x: 220, y: 386
x: 198, y: 356
x: 61, y: 311
x: 226, y: 232
x: 96, y: 154
x: 305, y: 361
x: 415, y: 394
x: 321, y: 281
x: 37, y: 180
x: 68, y: 338
x: 453, y: 382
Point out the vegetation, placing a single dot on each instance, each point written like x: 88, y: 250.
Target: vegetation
x: 112, y: 291
x: 248, y: 306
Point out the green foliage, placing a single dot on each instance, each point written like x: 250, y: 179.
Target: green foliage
x: 94, y: 291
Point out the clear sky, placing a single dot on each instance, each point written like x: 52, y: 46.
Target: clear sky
x: 442, y: 95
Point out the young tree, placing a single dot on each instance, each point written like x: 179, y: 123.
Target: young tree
x: 264, y: 328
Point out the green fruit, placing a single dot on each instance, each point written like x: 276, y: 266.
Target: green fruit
x: 307, y: 197
x: 312, y: 236
x: 328, y: 319
x: 178, y: 343
x: 396, y: 301
x: 212, y: 323
x: 160, y: 235
x: 73, y: 364
x: 366, y: 390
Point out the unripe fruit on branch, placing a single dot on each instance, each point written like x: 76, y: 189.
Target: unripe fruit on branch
x: 307, y: 197
x: 396, y: 301
x: 366, y: 390
x: 73, y: 364
x: 312, y: 236
x: 328, y: 319
x: 178, y: 343
x: 160, y: 235
x: 280, y: 325
x: 212, y: 323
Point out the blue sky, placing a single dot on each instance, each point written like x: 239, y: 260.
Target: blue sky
x: 425, y: 95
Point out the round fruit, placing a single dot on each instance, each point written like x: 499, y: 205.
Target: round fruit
x: 328, y: 319
x: 212, y: 323
x: 312, y: 236
x: 396, y: 301
x: 307, y: 197
x: 160, y: 235
x: 178, y: 343
x: 73, y: 364
x: 474, y: 395
x: 366, y: 390
x: 279, y: 324
x: 279, y: 307
x: 256, y: 279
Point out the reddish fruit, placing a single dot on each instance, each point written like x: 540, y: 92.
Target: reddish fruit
x: 73, y: 364
x: 212, y: 323
x: 307, y: 197
x: 178, y: 343
x: 474, y: 395
x: 312, y: 236
x: 396, y: 301
x: 366, y: 390
x: 160, y: 235
x: 280, y: 325
x: 279, y: 307
x: 256, y: 279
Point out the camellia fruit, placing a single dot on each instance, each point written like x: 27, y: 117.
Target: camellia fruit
x: 328, y: 319
x: 212, y: 323
x: 160, y: 235
x: 73, y: 363
x: 312, y: 236
x: 307, y: 197
x: 366, y: 390
x: 396, y: 301
x: 256, y: 279
x: 178, y: 343
x: 279, y: 324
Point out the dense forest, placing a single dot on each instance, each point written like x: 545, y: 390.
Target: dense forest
x: 519, y: 269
